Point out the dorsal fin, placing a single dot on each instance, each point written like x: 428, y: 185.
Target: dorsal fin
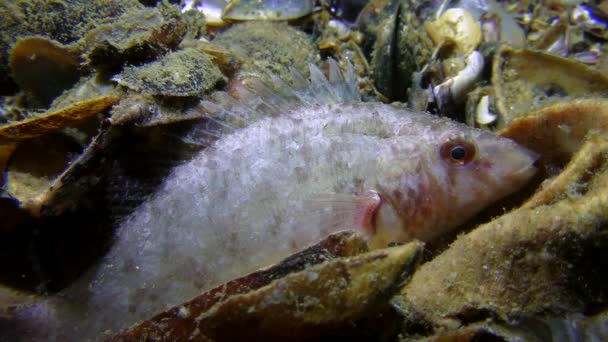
x: 277, y: 97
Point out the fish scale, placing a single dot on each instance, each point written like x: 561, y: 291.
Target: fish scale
x: 283, y: 182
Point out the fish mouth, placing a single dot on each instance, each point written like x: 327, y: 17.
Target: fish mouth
x: 526, y: 171
x: 526, y: 160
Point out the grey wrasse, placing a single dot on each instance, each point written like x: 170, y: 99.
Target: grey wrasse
x: 319, y: 161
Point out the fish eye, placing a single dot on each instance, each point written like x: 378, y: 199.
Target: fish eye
x: 459, y: 152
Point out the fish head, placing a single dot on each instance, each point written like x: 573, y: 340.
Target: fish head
x: 479, y: 167
x: 462, y: 171
x: 476, y: 168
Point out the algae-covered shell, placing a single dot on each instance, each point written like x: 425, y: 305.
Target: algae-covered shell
x: 61, y: 21
x: 526, y: 80
x: 267, y: 9
x: 53, y: 120
x: 148, y: 110
x: 43, y: 68
x: 35, y: 164
x: 38, y: 158
x: 557, y: 131
x: 47, y: 175
x: 400, y: 48
x: 88, y: 88
x: 266, y: 48
x: 139, y: 35
x: 187, y: 72
x: 321, y: 291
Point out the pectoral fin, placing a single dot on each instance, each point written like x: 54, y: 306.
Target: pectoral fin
x: 347, y: 211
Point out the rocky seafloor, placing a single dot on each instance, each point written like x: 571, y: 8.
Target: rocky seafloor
x: 98, y: 104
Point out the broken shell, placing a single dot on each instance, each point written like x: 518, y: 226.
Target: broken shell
x: 483, y: 116
x: 499, y: 20
x: 592, y: 18
x: 28, y: 176
x: 139, y: 35
x: 526, y: 80
x: 458, y: 25
x: 454, y: 88
x: 267, y: 9
x: 65, y: 22
x: 87, y: 89
x: 553, y: 39
x: 331, y: 296
x: 47, y: 175
x: 556, y: 132
x: 187, y: 72
x: 300, y: 301
x: 43, y: 68
x: 145, y: 111
x: 51, y: 121
x: 480, y: 110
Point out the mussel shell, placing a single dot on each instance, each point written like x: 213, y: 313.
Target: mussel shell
x: 320, y: 291
x: 526, y: 80
x: 43, y: 68
x: 188, y: 72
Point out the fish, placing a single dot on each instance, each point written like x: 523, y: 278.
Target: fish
x: 312, y: 160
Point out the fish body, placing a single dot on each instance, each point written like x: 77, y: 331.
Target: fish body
x: 265, y: 191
